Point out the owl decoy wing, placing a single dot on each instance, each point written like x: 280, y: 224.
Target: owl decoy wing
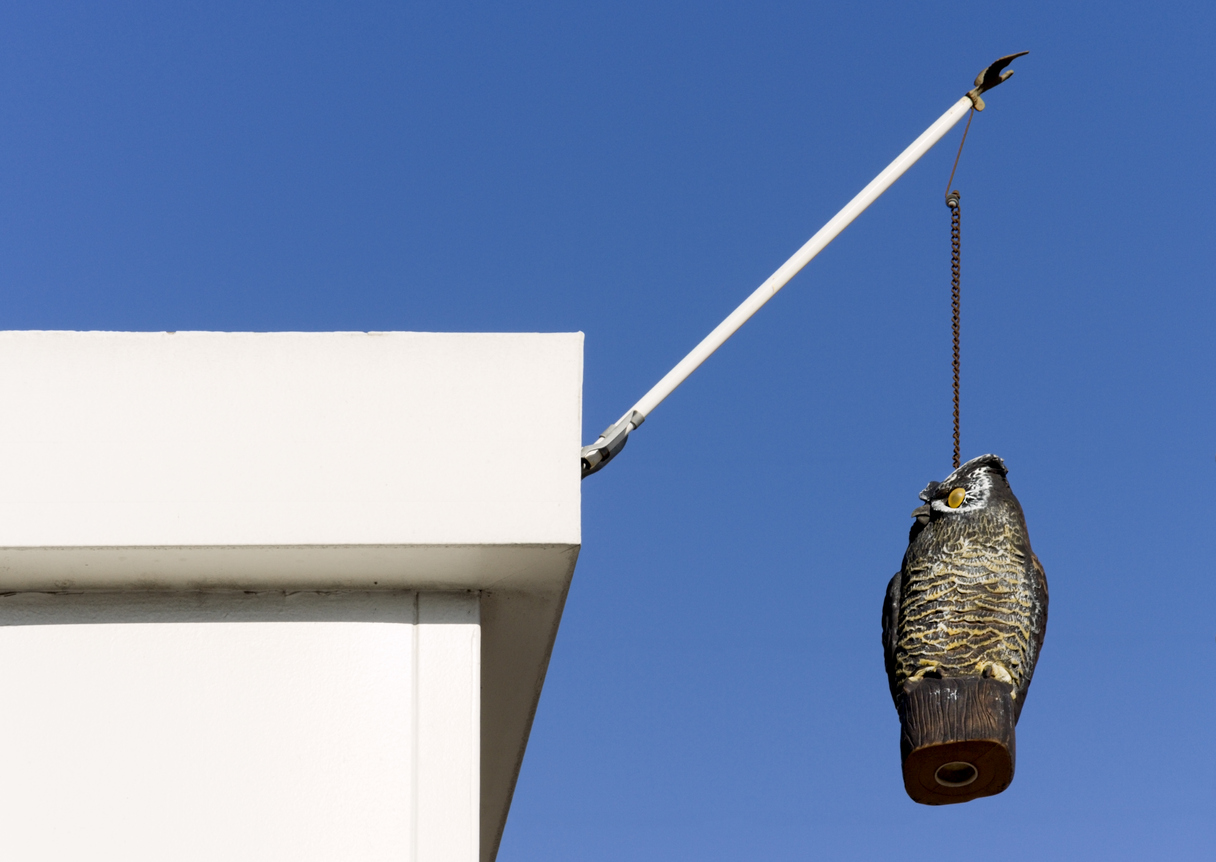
x: 1039, y: 586
x: 1038, y: 627
x: 890, y: 626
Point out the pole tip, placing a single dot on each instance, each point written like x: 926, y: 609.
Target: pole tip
x: 991, y: 76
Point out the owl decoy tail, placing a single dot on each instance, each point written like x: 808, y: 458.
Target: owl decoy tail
x: 992, y: 76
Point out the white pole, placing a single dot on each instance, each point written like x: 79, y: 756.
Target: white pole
x: 613, y: 438
x: 802, y: 257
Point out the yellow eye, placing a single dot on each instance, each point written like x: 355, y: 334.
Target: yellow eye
x: 956, y: 498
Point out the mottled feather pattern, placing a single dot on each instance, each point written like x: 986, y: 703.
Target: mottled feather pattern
x: 971, y: 598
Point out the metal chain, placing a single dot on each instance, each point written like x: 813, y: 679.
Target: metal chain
x: 952, y: 201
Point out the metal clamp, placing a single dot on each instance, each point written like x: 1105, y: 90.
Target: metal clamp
x: 990, y: 77
x: 611, y: 441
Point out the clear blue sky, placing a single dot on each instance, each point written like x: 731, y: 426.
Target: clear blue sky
x: 633, y: 171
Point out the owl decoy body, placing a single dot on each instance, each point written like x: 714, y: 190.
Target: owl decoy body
x: 971, y: 597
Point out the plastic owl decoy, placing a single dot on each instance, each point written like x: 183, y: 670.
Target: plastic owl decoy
x: 962, y: 626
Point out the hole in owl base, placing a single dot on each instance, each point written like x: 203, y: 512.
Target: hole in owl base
x: 957, y: 773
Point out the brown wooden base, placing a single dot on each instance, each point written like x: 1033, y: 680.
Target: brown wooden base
x: 957, y: 741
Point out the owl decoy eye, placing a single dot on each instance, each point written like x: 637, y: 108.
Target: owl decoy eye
x: 956, y: 497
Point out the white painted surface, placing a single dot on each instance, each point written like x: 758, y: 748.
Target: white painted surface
x: 305, y: 728
x: 313, y: 567
x: 287, y: 439
x: 447, y: 690
x: 170, y: 505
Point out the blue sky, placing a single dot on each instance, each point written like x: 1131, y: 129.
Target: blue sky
x: 633, y: 171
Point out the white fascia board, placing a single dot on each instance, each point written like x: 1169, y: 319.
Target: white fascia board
x: 196, y: 440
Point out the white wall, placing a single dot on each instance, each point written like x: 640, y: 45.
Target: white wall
x: 308, y: 727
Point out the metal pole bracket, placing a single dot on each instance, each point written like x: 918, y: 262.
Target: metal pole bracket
x: 611, y: 441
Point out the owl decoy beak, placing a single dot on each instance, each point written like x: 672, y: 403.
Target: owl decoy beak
x: 992, y: 76
x: 922, y: 516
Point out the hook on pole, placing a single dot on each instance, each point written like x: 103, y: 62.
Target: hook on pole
x: 992, y: 76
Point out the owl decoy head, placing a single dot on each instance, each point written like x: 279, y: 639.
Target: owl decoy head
x: 969, y: 489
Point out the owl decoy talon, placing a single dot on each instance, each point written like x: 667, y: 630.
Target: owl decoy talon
x: 992, y: 76
x: 996, y: 670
